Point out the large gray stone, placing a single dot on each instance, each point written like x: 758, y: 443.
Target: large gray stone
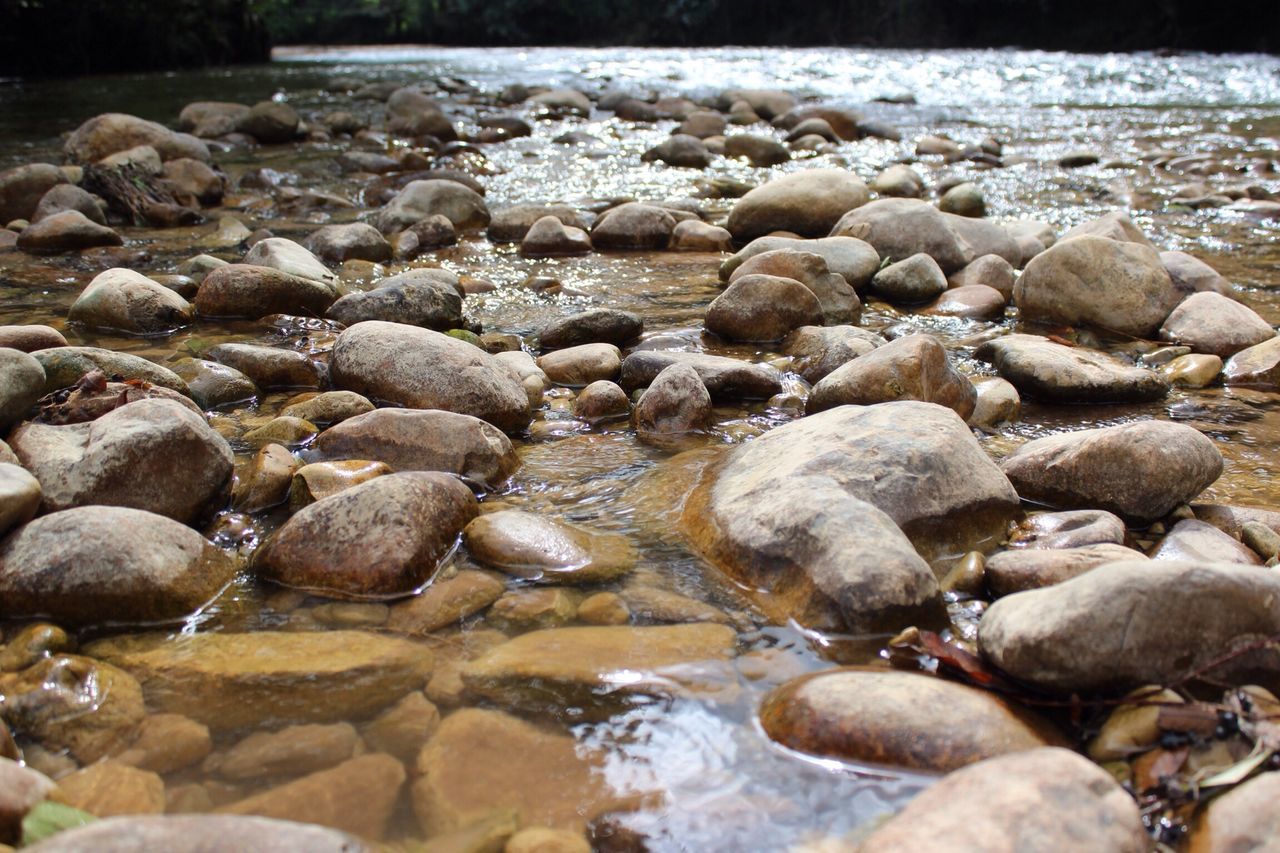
x: 251, y: 290
x: 462, y: 206
x: 915, y: 367
x: 122, y: 300
x: 1045, y: 370
x: 109, y: 133
x: 422, y: 369
x: 807, y: 203
x: 426, y: 297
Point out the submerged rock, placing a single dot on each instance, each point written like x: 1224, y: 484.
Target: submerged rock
x: 901, y: 719
x: 98, y: 565
x: 528, y: 545
x: 236, y: 681
x: 1012, y: 801
x: 198, y: 834
x: 423, y: 369
x: 1138, y: 470
x: 381, y: 538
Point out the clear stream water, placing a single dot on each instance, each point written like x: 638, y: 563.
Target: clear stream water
x: 722, y: 785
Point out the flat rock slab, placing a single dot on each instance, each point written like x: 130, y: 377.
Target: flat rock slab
x: 1032, y: 568
x: 1045, y: 370
x: 528, y: 545
x: 596, y: 667
x: 199, y: 834
x: 233, y: 681
x: 901, y: 719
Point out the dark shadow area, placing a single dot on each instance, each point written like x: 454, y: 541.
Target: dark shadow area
x: 52, y: 37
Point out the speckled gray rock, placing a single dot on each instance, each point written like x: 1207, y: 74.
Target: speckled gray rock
x: 424, y: 440
x: 911, y: 280
x: 598, y: 325
x: 354, y: 240
x: 64, y: 366
x: 463, y: 206
x: 915, y: 367
x: 676, y: 402
x: 122, y: 300
x: 633, y: 226
x: 762, y: 308
x: 97, y: 565
x: 155, y: 455
x: 289, y: 257
x: 1138, y: 470
x: 422, y: 369
x: 384, y: 537
x: 901, y: 227
x: 1213, y: 323
x: 427, y: 298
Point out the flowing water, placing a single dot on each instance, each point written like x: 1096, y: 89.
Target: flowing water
x: 719, y: 783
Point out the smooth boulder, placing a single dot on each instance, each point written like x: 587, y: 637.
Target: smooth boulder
x: 807, y: 203
x: 1046, y: 370
x: 762, y: 308
x: 122, y: 300
x: 915, y: 367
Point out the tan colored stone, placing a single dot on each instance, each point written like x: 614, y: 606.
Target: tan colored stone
x: 320, y: 480
x: 446, y: 602
x: 292, y: 751
x: 167, y: 742
x: 108, y: 789
x: 528, y: 545
x: 264, y: 481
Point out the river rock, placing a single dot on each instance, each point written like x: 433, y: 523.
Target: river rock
x: 964, y: 199
x: 264, y: 481
x: 198, y: 834
x: 1032, y: 568
x: 693, y: 235
x: 316, y: 481
x: 108, y: 133
x: 898, y: 181
x: 358, y: 796
x: 21, y: 788
x: 1257, y: 366
x: 1096, y: 281
x: 766, y: 103
x: 292, y: 751
x: 998, y: 402
x: 270, y: 122
x: 760, y: 151
x: 70, y: 197
x: 68, y: 231
x: 236, y: 681
x: 975, y: 302
x: 270, y: 368
x: 807, y: 203
x: 1139, y: 470
x: 900, y: 719
x: 551, y: 238
x: 1012, y: 801
x: 1046, y: 370
x: 564, y: 101
x: 108, y: 789
x: 762, y: 308
x: 22, y: 383
x: 601, y: 401
x: 819, y: 350
x: 581, y: 365
x: 1192, y: 370
x: 1240, y: 819
x: 1192, y: 275
x: 97, y: 564
x: 461, y: 205
x: 209, y: 119
x: 193, y: 179
x: 154, y: 455
x: 445, y: 602
x: 725, y: 378
x: 22, y: 187
x: 422, y: 369
x: 681, y: 150
x: 140, y: 158
x: 29, y: 338
x: 290, y: 257
x: 990, y: 270
x: 1191, y: 539
x: 424, y: 440
x: 383, y: 537
x: 816, y: 511
x: 914, y: 367
x: 19, y: 496
x: 426, y: 298
x: 353, y: 241
x: 675, y: 403
x: 88, y: 708
x: 1071, y: 529
x: 1112, y: 226
x: 911, y: 280
x: 328, y: 407
x: 213, y: 385
x: 838, y: 300
x: 633, y: 226
x: 901, y: 227
x: 528, y: 545
x: 126, y: 301
x: 411, y: 113
x: 404, y: 728
x: 598, y: 325
x: 853, y: 260
x: 544, y: 670
x: 481, y: 761
x: 511, y: 224
x: 65, y: 366
x: 1215, y: 324
x: 528, y: 609
x: 1126, y: 624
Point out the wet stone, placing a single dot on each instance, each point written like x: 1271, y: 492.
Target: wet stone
x: 1191, y: 539
x: 189, y: 833
x: 1071, y: 529
x: 599, y: 325
x: 725, y: 378
x: 1032, y: 568
x: 912, y: 280
x: 108, y: 789
x: 270, y: 368
x: 292, y: 751
x: 528, y: 545
x: 446, y: 602
x: 915, y: 367
x: 1045, y: 370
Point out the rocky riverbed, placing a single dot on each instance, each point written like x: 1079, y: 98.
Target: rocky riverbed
x: 469, y: 457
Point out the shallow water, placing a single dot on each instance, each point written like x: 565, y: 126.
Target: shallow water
x: 721, y: 785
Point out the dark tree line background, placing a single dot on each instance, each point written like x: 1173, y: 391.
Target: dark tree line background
x: 47, y: 37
